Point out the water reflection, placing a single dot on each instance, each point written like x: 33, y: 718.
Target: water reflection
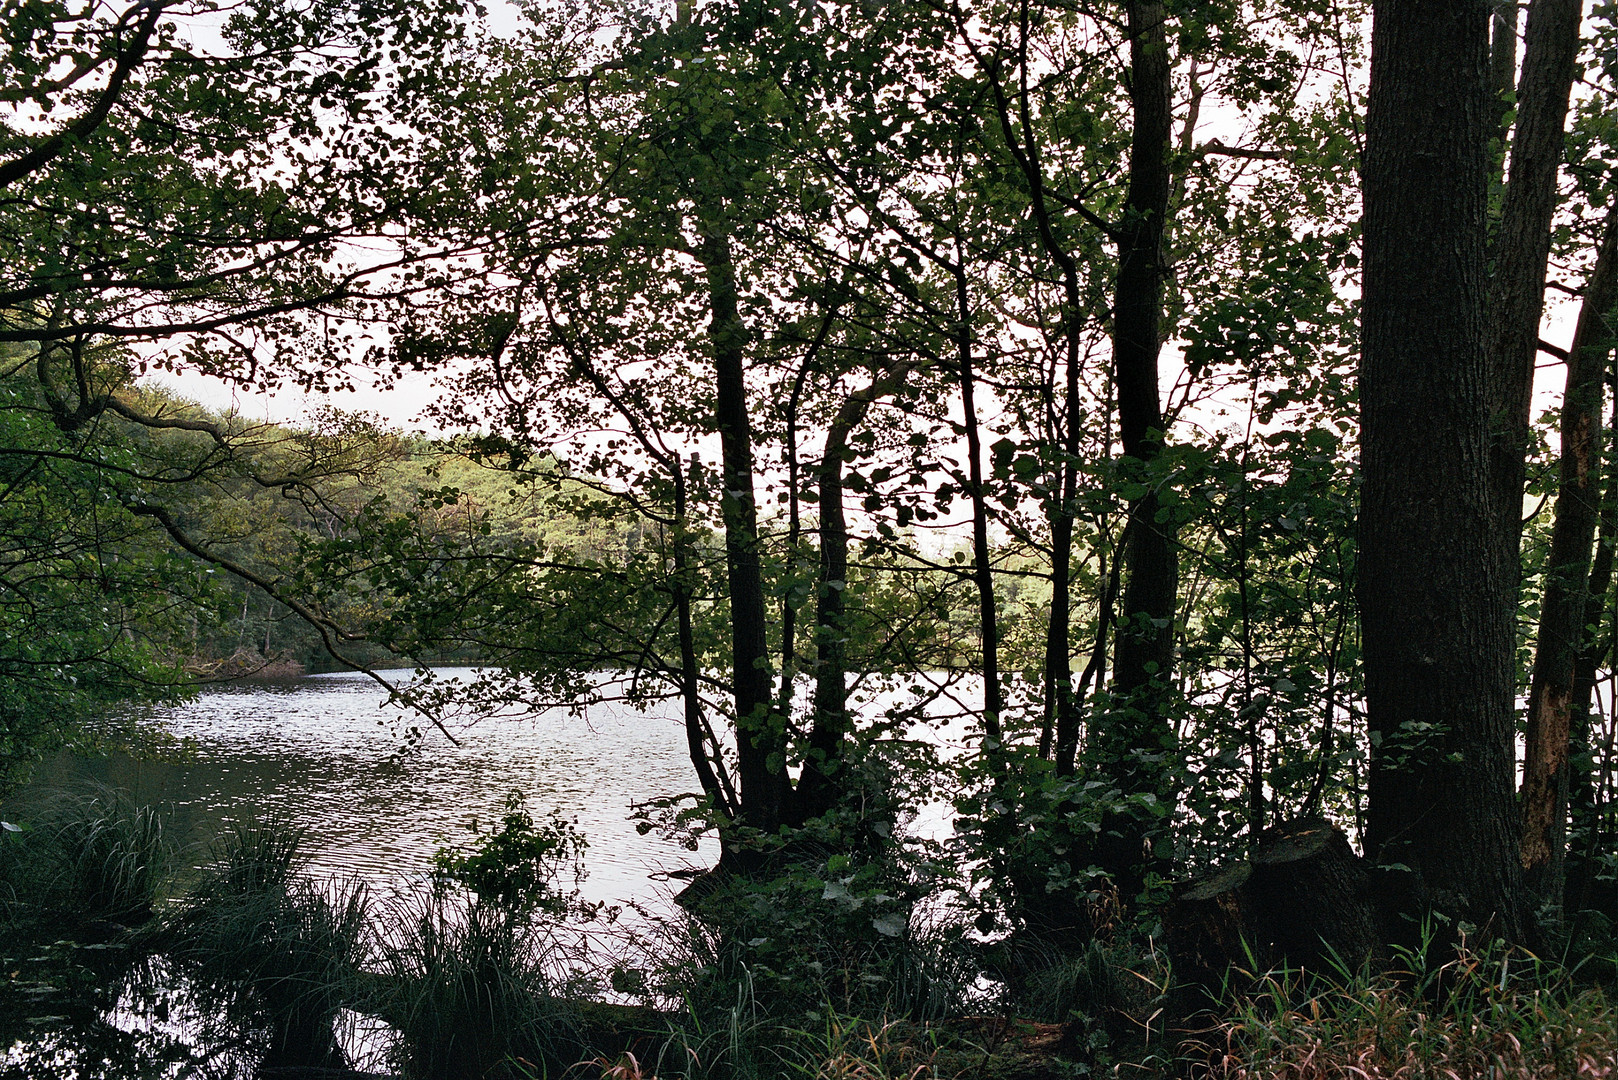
x: 326, y: 752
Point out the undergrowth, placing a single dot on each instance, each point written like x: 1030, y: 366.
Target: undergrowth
x: 271, y: 956
x: 1490, y: 1012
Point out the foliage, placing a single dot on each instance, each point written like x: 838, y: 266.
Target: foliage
x: 710, y: 292
x: 80, y: 577
x: 516, y: 866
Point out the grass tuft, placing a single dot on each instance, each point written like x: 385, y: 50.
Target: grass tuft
x: 101, y: 857
x: 1491, y: 1013
x: 271, y: 956
x: 475, y: 990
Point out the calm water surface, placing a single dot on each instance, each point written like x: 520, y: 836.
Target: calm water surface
x: 325, y: 750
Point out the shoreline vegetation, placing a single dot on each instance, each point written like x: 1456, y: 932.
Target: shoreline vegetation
x: 250, y: 967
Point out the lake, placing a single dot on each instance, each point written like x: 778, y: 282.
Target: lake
x: 326, y: 751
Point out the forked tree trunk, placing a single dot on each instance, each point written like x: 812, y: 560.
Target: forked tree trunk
x: 1436, y: 614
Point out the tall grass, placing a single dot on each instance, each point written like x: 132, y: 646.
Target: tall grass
x: 271, y: 956
x: 473, y: 989
x: 755, y: 984
x: 1499, y: 1014
x: 95, y: 856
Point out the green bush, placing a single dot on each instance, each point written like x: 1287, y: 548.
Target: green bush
x: 518, y: 865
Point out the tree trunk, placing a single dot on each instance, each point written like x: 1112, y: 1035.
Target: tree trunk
x: 1061, y: 704
x: 1138, y: 739
x: 1146, y: 634
x: 1436, y: 616
x: 709, y: 769
x: 760, y: 735
x: 817, y: 788
x: 1059, y: 732
x: 1561, y: 617
x: 1521, y: 246
x: 982, y: 570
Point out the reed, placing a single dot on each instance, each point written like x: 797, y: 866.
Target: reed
x: 101, y: 857
x: 271, y: 956
x: 473, y: 989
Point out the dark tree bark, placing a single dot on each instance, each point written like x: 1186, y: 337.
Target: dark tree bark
x: 1562, y: 612
x: 1436, y: 614
x: 1137, y: 738
x: 1521, y: 246
x: 832, y: 723
x: 982, y: 568
x: 760, y: 736
x: 1145, y: 650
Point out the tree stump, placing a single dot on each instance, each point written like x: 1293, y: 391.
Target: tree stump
x: 1206, y: 932
x: 1311, y: 897
x: 1302, y: 899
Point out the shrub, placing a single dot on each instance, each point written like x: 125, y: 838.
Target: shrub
x: 518, y: 865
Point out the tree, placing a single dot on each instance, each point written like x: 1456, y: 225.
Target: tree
x: 91, y: 609
x: 1563, y: 619
x: 1435, y: 604
x: 183, y: 191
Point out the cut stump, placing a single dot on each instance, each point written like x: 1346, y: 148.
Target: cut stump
x: 1302, y: 899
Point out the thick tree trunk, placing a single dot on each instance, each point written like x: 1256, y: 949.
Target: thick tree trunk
x: 760, y: 735
x: 1436, y: 614
x: 1138, y: 739
x: 1562, y: 612
x: 1521, y: 246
